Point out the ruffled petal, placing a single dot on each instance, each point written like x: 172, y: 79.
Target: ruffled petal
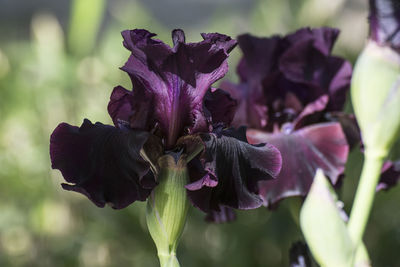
x: 102, y: 162
x: 321, y: 146
x: 322, y: 39
x: 236, y: 166
x: 258, y: 65
x: 308, y: 62
x: 281, y: 75
x: 176, y: 78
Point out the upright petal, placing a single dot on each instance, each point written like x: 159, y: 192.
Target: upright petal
x: 251, y: 109
x: 338, y: 73
x: 258, y: 65
x: 220, y: 106
x: 176, y: 78
x: 280, y: 76
x: 260, y: 57
x: 321, y: 146
x: 133, y: 110
x: 230, y: 171
x: 102, y: 162
x: 322, y: 39
x: 120, y: 105
x: 308, y: 63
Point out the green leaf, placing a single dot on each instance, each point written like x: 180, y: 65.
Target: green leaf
x: 86, y: 17
x: 323, y: 228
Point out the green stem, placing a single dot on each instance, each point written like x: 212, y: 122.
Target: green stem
x: 168, y: 260
x: 364, y: 196
x: 362, y: 257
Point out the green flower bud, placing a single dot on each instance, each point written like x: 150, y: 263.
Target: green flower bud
x: 375, y: 94
x: 323, y: 227
x: 167, y: 208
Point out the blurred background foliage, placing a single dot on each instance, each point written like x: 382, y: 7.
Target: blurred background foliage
x: 59, y: 62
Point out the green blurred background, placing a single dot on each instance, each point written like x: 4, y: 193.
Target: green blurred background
x: 59, y: 61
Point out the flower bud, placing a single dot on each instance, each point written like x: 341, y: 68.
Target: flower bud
x: 375, y: 93
x: 323, y: 227
x: 167, y: 208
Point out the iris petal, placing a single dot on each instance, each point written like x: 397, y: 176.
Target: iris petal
x: 259, y: 63
x: 251, y: 109
x: 349, y: 126
x: 120, y: 105
x: 311, y: 113
x: 236, y: 166
x: 384, y: 21
x: 321, y: 146
x: 308, y: 62
x: 133, y: 110
x: 102, y: 162
x: 176, y: 78
x: 322, y: 39
x: 281, y: 75
x: 220, y: 105
x: 260, y: 57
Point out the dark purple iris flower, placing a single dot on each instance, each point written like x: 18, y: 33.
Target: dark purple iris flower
x: 384, y: 19
x: 291, y: 92
x: 171, y: 109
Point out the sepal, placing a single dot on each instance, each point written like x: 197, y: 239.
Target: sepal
x: 167, y: 208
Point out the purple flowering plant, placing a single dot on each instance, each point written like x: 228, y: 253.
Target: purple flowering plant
x: 171, y: 135
x: 292, y: 91
x: 280, y: 132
